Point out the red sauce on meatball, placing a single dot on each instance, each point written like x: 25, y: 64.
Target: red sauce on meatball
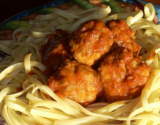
x: 123, y: 36
x: 91, y: 41
x: 55, y: 52
x: 123, y: 75
x: 121, y: 72
x: 76, y: 81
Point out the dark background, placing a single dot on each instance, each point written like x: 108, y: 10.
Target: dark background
x: 9, y: 8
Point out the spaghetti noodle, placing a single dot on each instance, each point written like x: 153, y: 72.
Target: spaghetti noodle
x: 26, y: 99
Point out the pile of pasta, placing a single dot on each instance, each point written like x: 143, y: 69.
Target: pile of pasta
x: 25, y: 98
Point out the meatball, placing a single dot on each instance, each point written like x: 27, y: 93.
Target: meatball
x: 123, y: 36
x: 76, y: 81
x: 122, y: 75
x: 91, y: 41
x: 55, y: 52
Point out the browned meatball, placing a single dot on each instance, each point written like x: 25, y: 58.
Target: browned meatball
x: 123, y: 36
x: 122, y: 75
x: 76, y: 81
x: 91, y: 41
x: 55, y: 52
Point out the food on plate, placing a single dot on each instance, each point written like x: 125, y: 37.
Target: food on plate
x: 91, y: 41
x: 123, y: 36
x: 55, y: 51
x: 25, y: 95
x: 76, y: 81
x: 113, y: 48
x: 123, y: 75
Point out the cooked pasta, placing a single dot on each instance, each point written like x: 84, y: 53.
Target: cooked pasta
x: 26, y: 99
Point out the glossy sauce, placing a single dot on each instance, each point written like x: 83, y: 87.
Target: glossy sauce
x: 55, y: 52
x: 76, y: 81
x: 91, y: 41
x: 120, y: 72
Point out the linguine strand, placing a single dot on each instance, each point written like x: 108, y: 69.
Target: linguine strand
x: 37, y: 104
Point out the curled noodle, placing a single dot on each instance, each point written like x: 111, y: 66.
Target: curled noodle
x: 36, y: 104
